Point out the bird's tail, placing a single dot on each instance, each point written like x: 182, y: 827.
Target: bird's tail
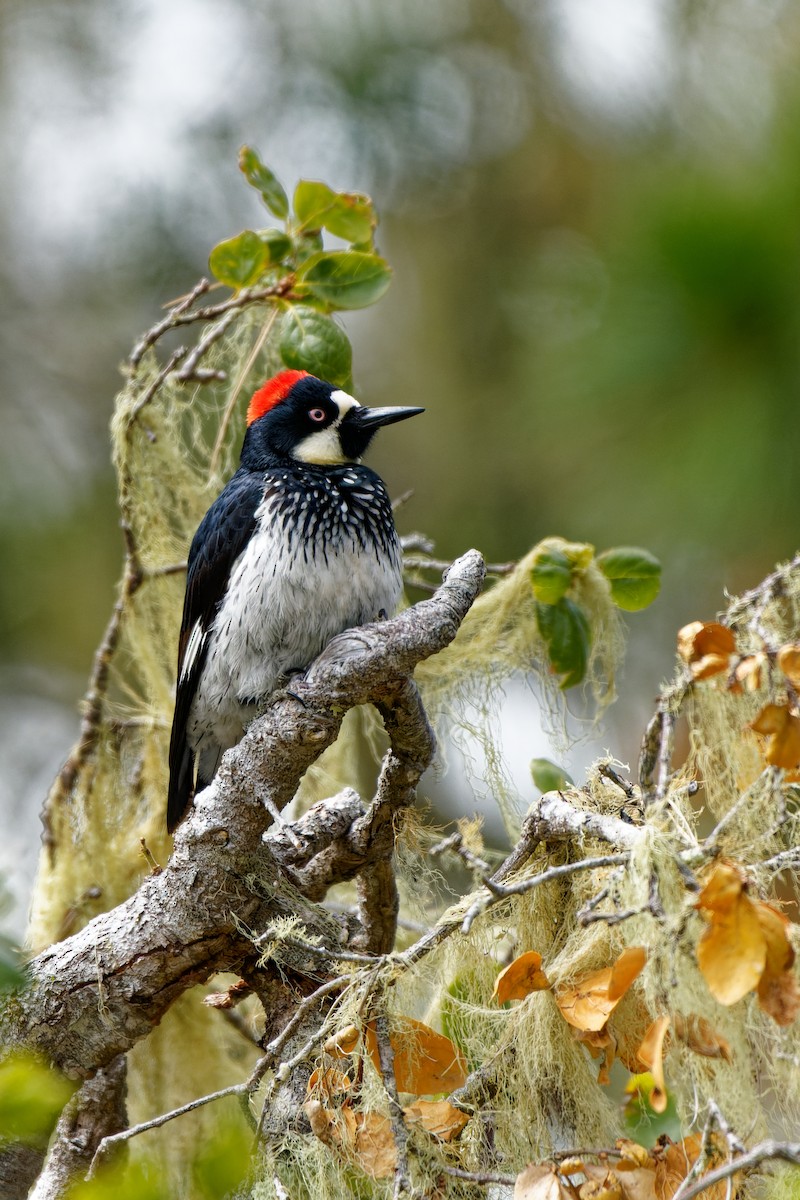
x: 181, y: 780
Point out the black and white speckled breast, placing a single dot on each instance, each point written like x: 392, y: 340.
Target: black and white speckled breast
x: 328, y: 510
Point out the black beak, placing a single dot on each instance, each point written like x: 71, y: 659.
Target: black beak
x: 373, y: 418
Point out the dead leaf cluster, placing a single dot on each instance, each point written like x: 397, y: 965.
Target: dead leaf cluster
x: 636, y: 1174
x: 746, y: 946
x: 706, y: 648
x: 779, y: 726
x: 425, y: 1063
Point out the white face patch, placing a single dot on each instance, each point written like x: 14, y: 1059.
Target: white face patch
x: 323, y: 448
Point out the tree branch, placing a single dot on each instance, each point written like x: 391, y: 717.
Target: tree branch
x: 94, y: 1115
x: 97, y: 993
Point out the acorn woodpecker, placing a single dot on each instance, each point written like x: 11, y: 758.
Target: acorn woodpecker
x: 300, y: 545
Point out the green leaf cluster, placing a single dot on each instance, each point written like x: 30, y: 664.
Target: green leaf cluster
x: 305, y: 281
x: 634, y: 580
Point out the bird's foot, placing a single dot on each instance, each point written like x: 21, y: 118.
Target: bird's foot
x: 295, y: 678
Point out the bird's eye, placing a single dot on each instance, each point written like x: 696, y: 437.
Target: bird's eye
x: 317, y: 414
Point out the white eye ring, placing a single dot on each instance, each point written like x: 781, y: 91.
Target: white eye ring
x: 317, y: 414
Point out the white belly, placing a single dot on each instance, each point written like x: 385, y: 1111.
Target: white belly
x: 285, y: 602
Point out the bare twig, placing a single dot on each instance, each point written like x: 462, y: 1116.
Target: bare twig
x: 481, y: 1177
x: 589, y: 916
x: 655, y: 755
x: 237, y: 388
x: 184, y: 314
x: 154, y: 866
x: 181, y: 305
x: 770, y: 586
x: 786, y: 860
x: 499, y: 891
x: 454, y: 844
x: 442, y: 564
x: 763, y: 1152
x: 211, y: 335
x: 124, y: 1135
x: 608, y: 772
x: 402, y: 1180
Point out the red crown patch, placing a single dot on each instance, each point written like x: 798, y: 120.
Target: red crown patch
x: 273, y: 391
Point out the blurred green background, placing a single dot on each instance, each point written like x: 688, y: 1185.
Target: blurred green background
x: 592, y: 210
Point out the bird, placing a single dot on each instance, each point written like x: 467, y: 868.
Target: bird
x: 299, y: 546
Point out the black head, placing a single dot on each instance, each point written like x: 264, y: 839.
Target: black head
x: 296, y: 416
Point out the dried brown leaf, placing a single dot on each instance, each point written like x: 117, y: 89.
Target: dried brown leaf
x: 539, y: 1182
x: 606, y: 1188
x: 437, y: 1117
x: 706, y: 646
x: 625, y: 969
x: 374, y: 1149
x: 521, y: 977
x: 748, y: 673
x: 700, y: 1036
x: 732, y: 952
x: 631, y: 1154
x: 777, y: 989
x: 651, y: 1055
x: 789, y: 662
x: 589, y: 1003
x: 781, y: 730
x: 586, y: 1004
x: 634, y: 1183
x: 425, y: 1062
x: 327, y: 1084
x: 570, y: 1166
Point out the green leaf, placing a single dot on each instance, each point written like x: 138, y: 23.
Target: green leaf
x: 548, y: 776
x: 346, y: 278
x: 32, y: 1095
x: 567, y: 637
x: 644, y: 1124
x: 240, y: 260
x: 279, y: 244
x: 307, y: 244
x: 352, y: 218
x: 634, y: 575
x: 311, y: 201
x: 264, y: 181
x: 312, y: 341
x: 551, y: 575
x: 348, y: 215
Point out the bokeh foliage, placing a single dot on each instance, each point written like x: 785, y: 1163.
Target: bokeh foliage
x: 597, y: 271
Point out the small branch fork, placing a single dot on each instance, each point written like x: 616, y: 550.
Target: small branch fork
x: 763, y: 1152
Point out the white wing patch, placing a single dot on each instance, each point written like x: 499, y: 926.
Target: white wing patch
x: 193, y: 647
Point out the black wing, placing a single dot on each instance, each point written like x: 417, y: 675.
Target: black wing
x: 221, y: 537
